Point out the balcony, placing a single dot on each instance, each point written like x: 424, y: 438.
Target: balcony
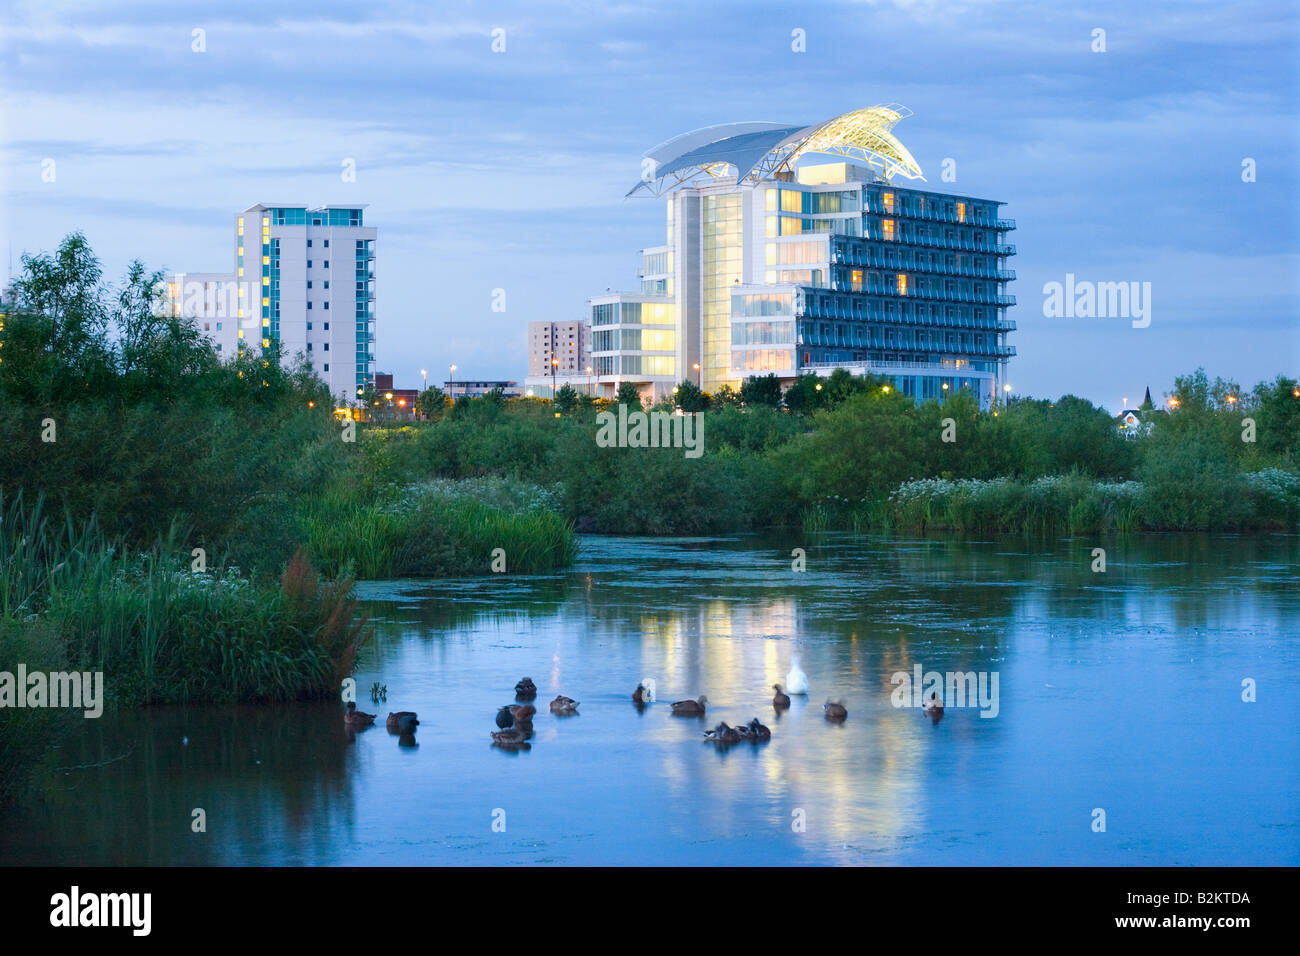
x: 1006, y: 224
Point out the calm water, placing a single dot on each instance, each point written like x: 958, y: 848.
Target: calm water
x: 1119, y: 690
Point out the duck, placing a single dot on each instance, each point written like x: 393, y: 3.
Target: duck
x: 402, y: 722
x: 757, y: 732
x: 564, y: 705
x: 690, y: 708
x: 796, y: 682
x: 780, y: 700
x: 933, y: 706
x: 722, y: 734
x: 509, y: 738
x: 505, y: 717
x: 645, y: 692
x: 835, y: 710
x: 355, y: 719
x: 522, y: 713
x: 526, y: 689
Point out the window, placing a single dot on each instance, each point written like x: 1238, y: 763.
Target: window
x: 308, y: 306
x: 326, y: 326
x: 327, y: 263
x: 327, y: 366
x: 308, y: 346
x: 327, y: 306
x: 308, y: 263
x: 308, y: 326
x: 327, y: 283
x: 327, y: 243
x: 218, y: 326
x: 218, y: 346
x: 308, y: 243
x: 309, y: 283
x: 327, y: 346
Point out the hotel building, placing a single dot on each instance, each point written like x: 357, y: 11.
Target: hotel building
x: 776, y: 260
x: 303, y: 277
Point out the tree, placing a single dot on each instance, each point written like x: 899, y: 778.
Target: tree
x: 566, y: 399
x: 432, y: 403
x: 807, y: 394
x: 628, y: 394
x: 688, y: 397
x: 761, y: 390
x: 726, y: 397
x: 843, y: 385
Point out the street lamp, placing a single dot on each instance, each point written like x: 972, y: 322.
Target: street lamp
x: 555, y: 364
x: 451, y: 382
x: 590, y: 391
x: 424, y: 374
x: 699, y: 379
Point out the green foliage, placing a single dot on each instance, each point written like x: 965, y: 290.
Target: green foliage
x: 628, y: 394
x: 566, y: 399
x: 432, y: 403
x: 688, y: 397
x: 761, y: 390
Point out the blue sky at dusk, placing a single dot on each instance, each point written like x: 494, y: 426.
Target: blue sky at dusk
x: 508, y: 170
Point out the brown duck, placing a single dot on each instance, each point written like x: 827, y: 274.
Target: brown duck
x: 402, y: 722
x: 835, y: 710
x: 564, y: 706
x: 781, y: 701
x: 690, y: 708
x: 354, y: 719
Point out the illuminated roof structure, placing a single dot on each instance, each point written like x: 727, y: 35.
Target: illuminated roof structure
x: 759, y: 151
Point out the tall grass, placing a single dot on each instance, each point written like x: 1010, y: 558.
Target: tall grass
x: 440, y: 528
x: 160, y: 632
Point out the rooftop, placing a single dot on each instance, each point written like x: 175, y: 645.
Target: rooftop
x: 753, y: 152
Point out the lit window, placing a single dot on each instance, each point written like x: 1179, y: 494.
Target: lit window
x: 266, y: 323
x: 266, y: 343
x: 887, y: 225
x: 902, y: 285
x: 771, y: 253
x: 241, y: 333
x: 961, y: 212
x: 266, y: 260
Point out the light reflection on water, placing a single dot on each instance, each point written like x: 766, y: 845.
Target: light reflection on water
x: 1119, y: 691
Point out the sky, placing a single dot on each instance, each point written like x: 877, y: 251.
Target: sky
x: 489, y: 170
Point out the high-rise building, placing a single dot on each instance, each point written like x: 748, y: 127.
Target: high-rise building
x: 559, y: 350
x: 303, y: 277
x: 775, y: 263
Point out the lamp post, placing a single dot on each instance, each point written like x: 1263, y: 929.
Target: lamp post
x: 555, y: 364
x: 451, y: 382
x: 699, y: 379
x: 424, y: 375
x: 590, y: 391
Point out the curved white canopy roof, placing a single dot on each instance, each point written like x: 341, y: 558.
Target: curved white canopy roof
x: 757, y: 151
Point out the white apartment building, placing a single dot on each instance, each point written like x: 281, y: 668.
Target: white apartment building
x: 303, y: 277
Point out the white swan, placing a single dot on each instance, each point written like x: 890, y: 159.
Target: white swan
x: 648, y: 689
x: 796, y: 682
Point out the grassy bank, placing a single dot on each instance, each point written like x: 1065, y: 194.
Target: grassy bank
x: 160, y: 631
x: 439, y: 528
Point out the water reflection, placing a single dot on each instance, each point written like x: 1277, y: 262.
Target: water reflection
x: 1080, y: 656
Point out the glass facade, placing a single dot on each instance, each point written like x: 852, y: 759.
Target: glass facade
x: 721, y: 250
